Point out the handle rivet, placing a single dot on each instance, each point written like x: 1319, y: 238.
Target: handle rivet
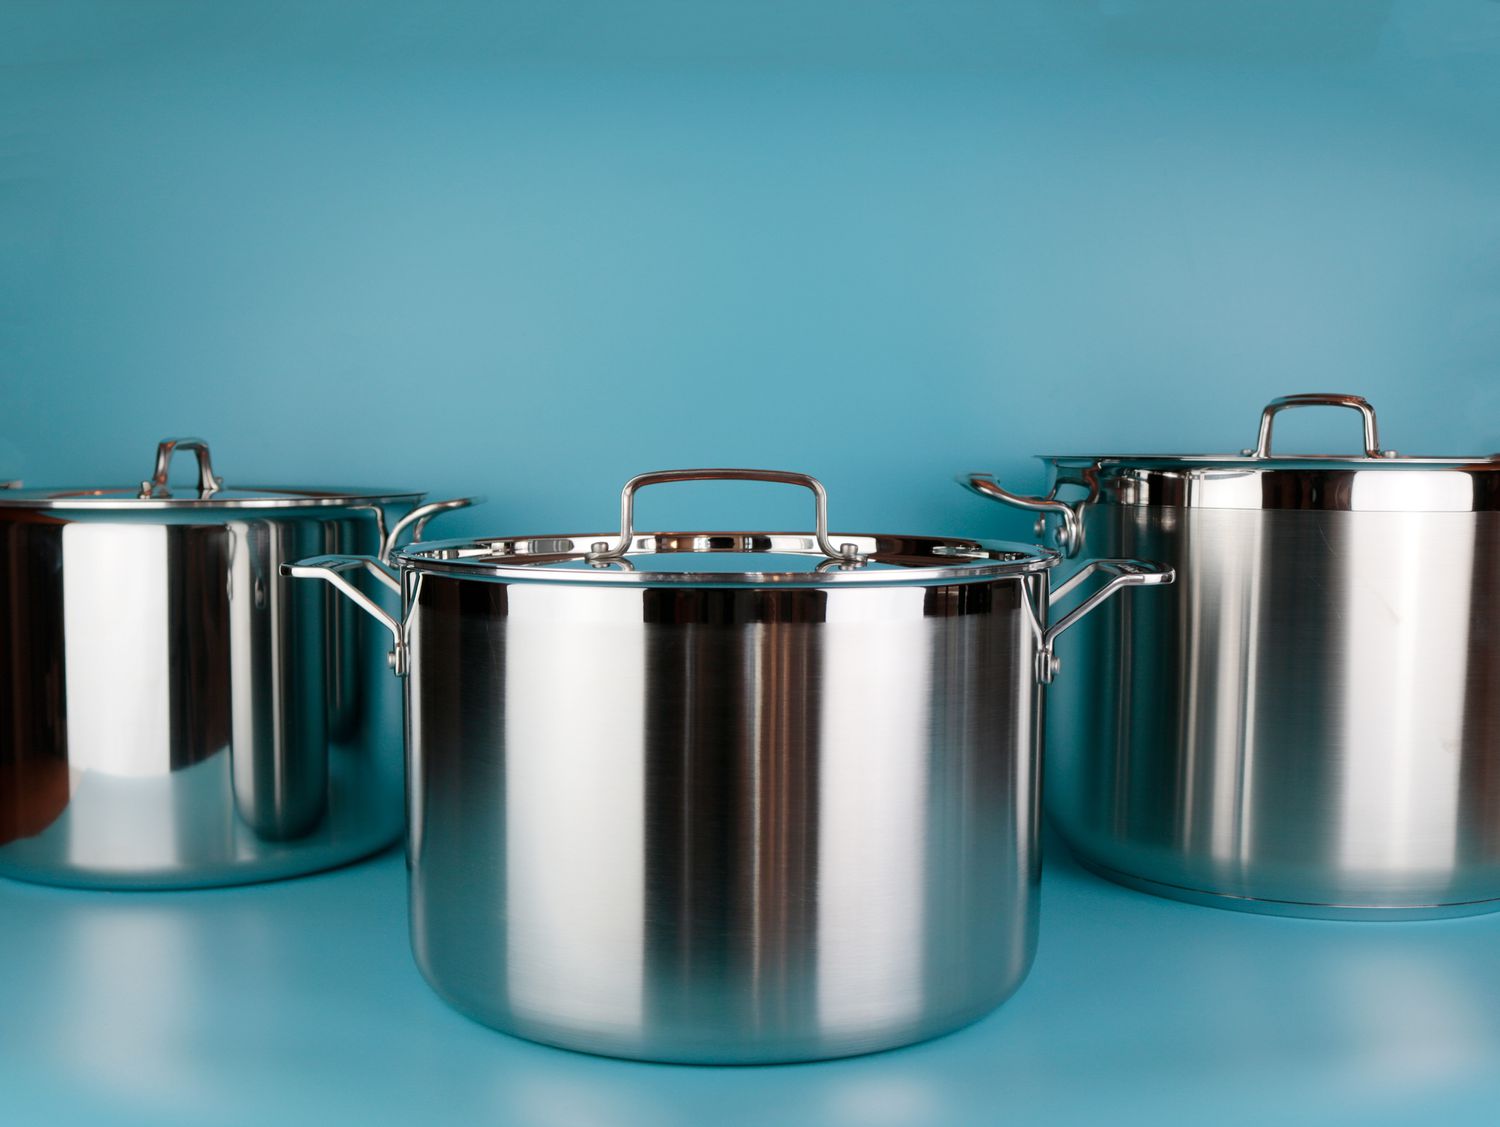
x: 1047, y: 666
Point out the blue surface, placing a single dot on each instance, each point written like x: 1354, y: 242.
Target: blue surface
x: 532, y: 248
x: 298, y: 1003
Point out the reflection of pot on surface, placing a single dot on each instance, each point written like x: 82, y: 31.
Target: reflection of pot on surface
x: 176, y: 713
x: 724, y: 796
x: 1309, y: 722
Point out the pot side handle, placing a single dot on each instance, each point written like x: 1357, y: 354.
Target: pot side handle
x: 1122, y: 574
x: 331, y: 570
x: 417, y: 519
x: 1069, y: 534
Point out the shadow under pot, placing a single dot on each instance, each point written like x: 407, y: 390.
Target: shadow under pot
x: 173, y: 712
x: 1309, y: 722
x: 724, y: 797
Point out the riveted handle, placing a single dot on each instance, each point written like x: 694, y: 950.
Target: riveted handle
x: 1353, y: 402
x: 417, y: 519
x: 1122, y: 574
x: 1069, y: 535
x: 603, y: 551
x: 331, y: 569
x: 156, y: 484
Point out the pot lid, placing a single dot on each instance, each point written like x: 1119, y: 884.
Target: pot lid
x: 1377, y: 480
x: 1260, y: 456
x: 729, y: 559
x: 155, y: 493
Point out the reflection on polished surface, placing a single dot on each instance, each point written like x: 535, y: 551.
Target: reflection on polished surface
x: 175, y: 713
x: 723, y: 825
x: 1308, y: 720
x: 298, y: 1002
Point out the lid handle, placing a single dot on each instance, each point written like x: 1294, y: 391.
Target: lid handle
x: 601, y: 552
x: 156, y: 484
x: 1353, y: 402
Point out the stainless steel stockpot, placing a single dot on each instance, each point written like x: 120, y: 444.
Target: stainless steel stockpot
x: 173, y: 712
x: 1309, y: 723
x: 724, y: 796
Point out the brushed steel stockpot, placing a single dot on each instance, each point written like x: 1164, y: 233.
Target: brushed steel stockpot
x: 1309, y: 722
x: 724, y: 796
x: 174, y: 713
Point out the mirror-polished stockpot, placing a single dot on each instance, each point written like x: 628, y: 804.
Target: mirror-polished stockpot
x: 1309, y: 722
x: 724, y: 797
x: 173, y: 712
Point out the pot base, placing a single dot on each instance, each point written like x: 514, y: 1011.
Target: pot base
x: 710, y: 1050
x: 1290, y: 907
x: 183, y: 829
x: 303, y: 861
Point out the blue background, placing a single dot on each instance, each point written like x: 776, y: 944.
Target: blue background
x: 530, y: 249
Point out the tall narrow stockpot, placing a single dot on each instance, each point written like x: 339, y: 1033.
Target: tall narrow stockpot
x: 1309, y: 722
x: 174, y: 713
x: 724, y: 796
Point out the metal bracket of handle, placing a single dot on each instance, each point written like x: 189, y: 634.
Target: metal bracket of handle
x: 1122, y: 574
x: 331, y: 569
x: 602, y: 552
x: 1313, y: 399
x: 1069, y: 535
x: 156, y: 484
x: 417, y: 519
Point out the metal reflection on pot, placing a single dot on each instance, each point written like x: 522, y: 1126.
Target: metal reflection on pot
x: 713, y: 796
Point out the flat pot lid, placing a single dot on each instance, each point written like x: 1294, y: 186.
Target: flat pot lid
x: 210, y: 492
x: 1375, y: 480
x: 728, y: 559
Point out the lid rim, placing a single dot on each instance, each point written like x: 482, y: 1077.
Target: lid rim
x: 1479, y: 463
x: 127, y: 499
x: 425, y: 558
x: 1283, y: 484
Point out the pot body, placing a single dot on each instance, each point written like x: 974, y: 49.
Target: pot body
x: 174, y: 713
x: 723, y: 825
x: 1307, y: 723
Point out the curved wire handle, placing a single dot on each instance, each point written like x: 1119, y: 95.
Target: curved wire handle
x: 331, y: 569
x: 1314, y: 399
x: 417, y: 519
x: 1121, y: 573
x: 601, y: 550
x: 156, y: 484
x: 1069, y: 534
